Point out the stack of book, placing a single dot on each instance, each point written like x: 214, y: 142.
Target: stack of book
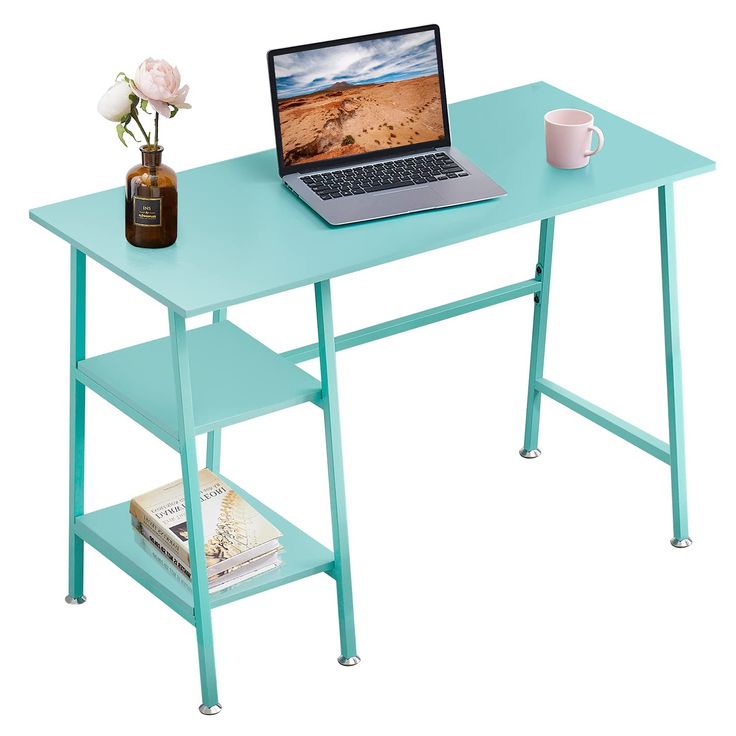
x: 239, y: 542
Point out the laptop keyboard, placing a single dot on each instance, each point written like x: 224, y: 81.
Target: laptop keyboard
x: 405, y: 172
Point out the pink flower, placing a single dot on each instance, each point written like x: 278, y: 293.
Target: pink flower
x: 158, y: 82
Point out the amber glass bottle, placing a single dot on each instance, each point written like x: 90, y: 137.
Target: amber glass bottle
x: 151, y: 202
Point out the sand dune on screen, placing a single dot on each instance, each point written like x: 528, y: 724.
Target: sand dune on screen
x: 347, y: 119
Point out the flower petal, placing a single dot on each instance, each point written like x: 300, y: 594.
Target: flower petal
x: 161, y: 107
x: 181, y: 96
x: 136, y: 91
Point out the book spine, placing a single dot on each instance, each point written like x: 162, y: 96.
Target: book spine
x: 154, y: 549
x: 234, y: 571
x: 221, y: 585
x: 165, y: 552
x: 265, y: 562
x: 181, y: 550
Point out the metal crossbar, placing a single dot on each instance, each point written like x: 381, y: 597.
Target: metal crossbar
x: 628, y: 432
x: 418, y: 319
x: 601, y: 417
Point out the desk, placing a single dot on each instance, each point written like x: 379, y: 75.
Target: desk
x: 242, y: 237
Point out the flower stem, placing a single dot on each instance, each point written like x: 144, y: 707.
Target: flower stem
x: 134, y: 115
x: 155, y: 128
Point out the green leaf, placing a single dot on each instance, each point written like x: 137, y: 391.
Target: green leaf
x: 130, y: 133
x: 120, y: 128
x: 134, y: 99
x: 144, y: 106
x: 122, y: 74
x: 174, y: 110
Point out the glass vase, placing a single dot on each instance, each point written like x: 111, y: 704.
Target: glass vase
x: 151, y: 204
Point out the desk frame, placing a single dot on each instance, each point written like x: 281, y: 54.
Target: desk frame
x: 325, y: 348
x: 672, y: 453
x: 202, y: 611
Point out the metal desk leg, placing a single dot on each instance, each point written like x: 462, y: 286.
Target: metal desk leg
x: 539, y: 336
x: 77, y: 331
x: 328, y: 369
x: 214, y: 438
x: 673, y: 365
x: 190, y: 476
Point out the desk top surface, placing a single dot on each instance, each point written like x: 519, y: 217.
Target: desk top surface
x: 242, y: 235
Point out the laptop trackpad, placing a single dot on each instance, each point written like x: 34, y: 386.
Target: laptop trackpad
x: 394, y: 192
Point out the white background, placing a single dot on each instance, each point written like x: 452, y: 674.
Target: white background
x: 493, y: 595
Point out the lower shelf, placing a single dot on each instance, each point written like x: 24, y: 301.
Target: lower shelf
x: 110, y: 532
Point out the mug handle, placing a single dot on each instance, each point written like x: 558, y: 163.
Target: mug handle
x: 601, y: 141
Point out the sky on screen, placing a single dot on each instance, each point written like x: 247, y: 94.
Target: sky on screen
x: 366, y: 62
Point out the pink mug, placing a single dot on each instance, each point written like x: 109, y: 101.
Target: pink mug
x: 569, y: 134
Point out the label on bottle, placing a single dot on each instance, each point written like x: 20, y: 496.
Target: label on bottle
x: 147, y: 211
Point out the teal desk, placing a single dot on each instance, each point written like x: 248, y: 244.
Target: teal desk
x: 244, y: 236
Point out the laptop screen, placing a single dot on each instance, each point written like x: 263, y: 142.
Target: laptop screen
x: 357, y: 97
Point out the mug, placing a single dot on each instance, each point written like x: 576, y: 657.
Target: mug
x: 569, y: 134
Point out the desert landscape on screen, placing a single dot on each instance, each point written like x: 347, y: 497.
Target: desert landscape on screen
x: 346, y: 119
x: 359, y: 96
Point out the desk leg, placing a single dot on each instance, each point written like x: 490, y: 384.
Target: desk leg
x: 539, y: 337
x: 190, y: 476
x: 77, y: 332
x: 328, y: 369
x: 214, y: 438
x: 673, y: 366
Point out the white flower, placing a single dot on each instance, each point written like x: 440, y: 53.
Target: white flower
x: 115, y: 103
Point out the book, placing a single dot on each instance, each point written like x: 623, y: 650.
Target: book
x: 264, y: 563
x: 219, y: 576
x: 234, y: 532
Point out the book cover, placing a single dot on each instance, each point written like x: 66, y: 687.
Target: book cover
x: 234, y: 532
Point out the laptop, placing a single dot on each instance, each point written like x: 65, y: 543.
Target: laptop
x: 362, y: 130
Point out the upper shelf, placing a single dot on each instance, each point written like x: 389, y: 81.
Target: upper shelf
x: 234, y: 377
x: 252, y: 237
